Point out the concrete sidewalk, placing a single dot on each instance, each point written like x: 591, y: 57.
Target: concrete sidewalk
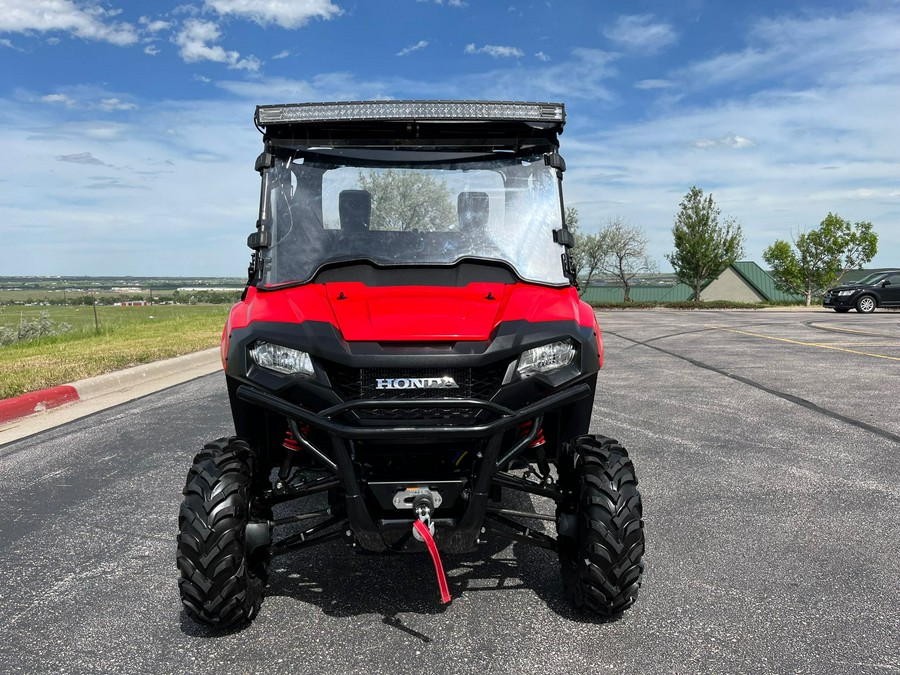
x: 30, y: 413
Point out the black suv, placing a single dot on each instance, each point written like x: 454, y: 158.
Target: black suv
x: 879, y: 289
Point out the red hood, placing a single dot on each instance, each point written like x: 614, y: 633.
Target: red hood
x: 416, y: 313
x: 412, y: 313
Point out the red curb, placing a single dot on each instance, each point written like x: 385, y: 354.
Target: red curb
x: 36, y: 401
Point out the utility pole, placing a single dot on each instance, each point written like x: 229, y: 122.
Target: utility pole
x: 96, y: 320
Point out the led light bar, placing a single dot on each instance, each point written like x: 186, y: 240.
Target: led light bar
x: 475, y: 111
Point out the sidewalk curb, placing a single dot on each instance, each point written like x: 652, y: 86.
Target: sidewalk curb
x: 36, y: 401
x: 191, y: 365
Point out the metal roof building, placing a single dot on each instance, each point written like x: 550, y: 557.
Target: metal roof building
x: 744, y: 281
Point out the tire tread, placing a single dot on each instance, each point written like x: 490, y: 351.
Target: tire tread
x: 602, y: 565
x: 219, y: 587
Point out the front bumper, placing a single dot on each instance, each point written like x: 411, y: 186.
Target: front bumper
x: 455, y: 535
x: 838, y: 301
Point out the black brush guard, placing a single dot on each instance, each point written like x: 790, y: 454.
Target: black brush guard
x: 455, y: 536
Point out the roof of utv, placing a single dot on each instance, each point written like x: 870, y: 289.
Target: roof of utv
x: 485, y: 125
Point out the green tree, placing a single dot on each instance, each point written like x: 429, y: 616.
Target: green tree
x: 820, y: 257
x: 625, y: 253
x: 703, y: 247
x: 408, y: 200
x: 588, y: 252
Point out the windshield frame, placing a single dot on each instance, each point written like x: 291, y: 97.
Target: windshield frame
x: 533, y: 251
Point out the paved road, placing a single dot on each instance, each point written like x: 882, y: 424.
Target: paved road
x: 766, y: 444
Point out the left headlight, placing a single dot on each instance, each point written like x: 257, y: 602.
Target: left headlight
x: 281, y: 359
x: 846, y: 292
x: 546, y: 358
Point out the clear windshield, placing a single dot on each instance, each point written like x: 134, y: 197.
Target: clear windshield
x: 868, y: 279
x: 413, y: 214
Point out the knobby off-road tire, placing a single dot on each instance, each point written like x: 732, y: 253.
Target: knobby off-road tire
x: 601, y: 533
x: 221, y: 585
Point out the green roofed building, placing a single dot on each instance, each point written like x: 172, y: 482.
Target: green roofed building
x: 743, y: 281
x: 639, y: 293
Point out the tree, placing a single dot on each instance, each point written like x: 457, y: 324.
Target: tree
x: 822, y: 256
x: 703, y: 247
x: 625, y: 253
x: 588, y: 252
x: 408, y: 200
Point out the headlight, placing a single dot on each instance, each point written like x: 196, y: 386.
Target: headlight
x: 281, y: 359
x: 546, y: 358
x: 846, y: 292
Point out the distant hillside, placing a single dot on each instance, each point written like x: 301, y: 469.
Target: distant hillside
x: 118, y: 284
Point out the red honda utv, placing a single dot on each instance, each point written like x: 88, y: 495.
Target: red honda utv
x: 410, y: 351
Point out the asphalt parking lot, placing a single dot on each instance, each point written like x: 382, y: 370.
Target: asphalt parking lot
x: 766, y: 444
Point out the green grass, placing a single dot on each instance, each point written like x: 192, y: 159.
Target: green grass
x: 128, y: 336
x: 81, y: 317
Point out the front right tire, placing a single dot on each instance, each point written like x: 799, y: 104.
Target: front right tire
x: 600, y: 527
x: 221, y: 581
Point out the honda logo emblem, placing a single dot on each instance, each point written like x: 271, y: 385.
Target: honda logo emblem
x: 445, y: 382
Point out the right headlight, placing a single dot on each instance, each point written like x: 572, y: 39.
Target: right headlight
x: 281, y: 359
x: 846, y: 292
x: 546, y: 358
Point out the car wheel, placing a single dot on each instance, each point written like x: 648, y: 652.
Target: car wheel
x: 865, y: 305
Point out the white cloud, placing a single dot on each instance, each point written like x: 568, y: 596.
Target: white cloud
x: 776, y: 154
x: 9, y: 45
x: 59, y: 98
x: 580, y: 77
x: 90, y: 23
x: 151, y: 50
x: 653, y: 84
x: 284, y: 13
x: 283, y: 54
x: 97, y: 169
x: 730, y: 141
x: 541, y: 56
x: 421, y: 44
x: 82, y: 158
x: 195, y: 40
x: 114, y: 104
x: 832, y: 49
x: 496, y: 51
x: 762, y: 156
x: 154, y: 25
x: 641, y: 33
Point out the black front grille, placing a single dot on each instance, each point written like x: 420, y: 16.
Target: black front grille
x: 361, y: 384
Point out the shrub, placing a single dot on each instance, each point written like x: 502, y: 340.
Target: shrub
x: 32, y: 329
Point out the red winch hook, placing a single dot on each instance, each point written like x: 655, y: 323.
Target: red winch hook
x: 422, y: 530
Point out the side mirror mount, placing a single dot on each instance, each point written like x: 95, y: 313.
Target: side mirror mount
x: 259, y: 240
x: 264, y: 161
x: 564, y: 237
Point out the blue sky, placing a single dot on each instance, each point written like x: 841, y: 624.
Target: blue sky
x: 128, y: 144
